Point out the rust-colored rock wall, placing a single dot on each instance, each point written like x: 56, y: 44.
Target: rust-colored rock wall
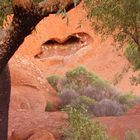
x: 31, y: 91
x: 99, y: 56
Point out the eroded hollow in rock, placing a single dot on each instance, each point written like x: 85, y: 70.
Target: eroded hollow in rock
x: 66, y: 47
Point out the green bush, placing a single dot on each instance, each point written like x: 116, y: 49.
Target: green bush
x: 77, y: 79
x: 53, y: 81
x: 80, y: 77
x: 81, y: 127
x: 128, y: 100
x: 132, y: 54
x: 49, y: 107
x: 131, y: 135
x: 87, y: 101
x: 79, y: 86
x: 70, y: 97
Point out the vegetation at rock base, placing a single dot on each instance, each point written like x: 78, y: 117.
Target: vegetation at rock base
x: 81, y: 127
x: 81, y: 87
x: 49, y: 107
x: 53, y: 80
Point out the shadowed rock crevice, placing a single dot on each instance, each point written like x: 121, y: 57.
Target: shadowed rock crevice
x: 5, y: 89
x: 65, y: 47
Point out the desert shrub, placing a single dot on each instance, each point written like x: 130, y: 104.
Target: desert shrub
x: 128, y: 100
x: 49, y: 107
x: 100, y: 93
x: 89, y: 84
x: 79, y: 86
x: 87, y: 101
x: 68, y: 96
x: 132, y: 54
x: 62, y: 84
x: 80, y: 77
x: 107, y: 107
x: 131, y: 135
x: 53, y: 81
x: 81, y: 127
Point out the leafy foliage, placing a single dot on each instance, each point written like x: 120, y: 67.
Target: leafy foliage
x: 77, y: 79
x: 81, y: 127
x: 128, y: 100
x: 49, y: 107
x: 80, y: 77
x: 5, y: 8
x: 53, y: 80
x: 124, y: 99
x: 81, y: 87
x: 132, y: 54
x: 118, y: 18
x: 87, y: 101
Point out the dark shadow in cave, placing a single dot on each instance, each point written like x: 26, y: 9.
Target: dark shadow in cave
x: 70, y: 40
x: 68, y: 46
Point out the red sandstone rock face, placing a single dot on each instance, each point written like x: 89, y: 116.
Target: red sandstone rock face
x: 32, y: 123
x: 42, y: 135
x: 117, y: 126
x: 31, y: 91
x: 99, y: 56
x: 37, y: 135
x: 30, y: 85
x: 27, y: 98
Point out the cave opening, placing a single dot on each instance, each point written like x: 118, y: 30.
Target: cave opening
x: 68, y: 46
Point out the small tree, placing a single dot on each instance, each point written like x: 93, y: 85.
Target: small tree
x: 120, y: 18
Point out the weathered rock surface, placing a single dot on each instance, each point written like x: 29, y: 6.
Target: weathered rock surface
x: 103, y: 57
x: 42, y: 135
x: 24, y: 124
x: 31, y: 91
x: 118, y: 126
x: 27, y: 98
